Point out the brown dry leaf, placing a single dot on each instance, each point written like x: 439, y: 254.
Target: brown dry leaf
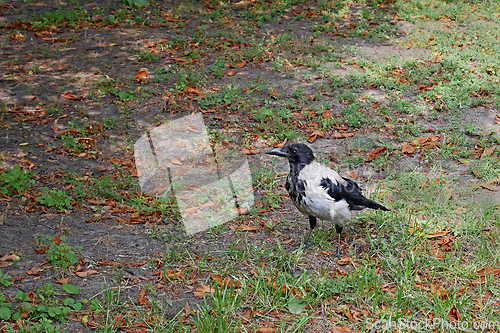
x: 240, y: 64
x: 375, y: 153
x: 454, y: 315
x: 246, y: 151
x: 447, y: 193
x: 226, y: 282
x: 176, y: 160
x: 62, y: 281
x: 250, y: 228
x: 56, y: 239
x: 174, y: 275
x: 341, y: 329
x: 189, y: 211
x: 42, y: 250
x: 287, y: 241
x: 340, y: 135
x: 230, y: 72
x: 407, y: 149
x: 489, y: 271
x: 194, y: 91
x: 488, y: 185
x: 68, y: 95
x: 140, y: 75
x: 489, y: 151
x: 136, y: 264
x: 281, y: 144
x: 344, y: 261
x: 84, y: 274
x: 141, y: 299
x: 201, y: 290
x: 314, y: 135
x: 265, y: 330
x: 352, y: 174
x: 34, y: 271
x: 438, y: 291
x: 11, y: 257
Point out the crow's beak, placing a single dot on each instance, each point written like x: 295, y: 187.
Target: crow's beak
x: 277, y: 152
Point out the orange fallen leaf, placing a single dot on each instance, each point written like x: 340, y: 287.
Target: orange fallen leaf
x: 141, y: 299
x: 62, y: 281
x: 407, y: 149
x: 454, y: 315
x: 344, y: 261
x: 176, y: 160
x: 281, y: 144
x: 246, y: 151
x: 314, y: 135
x: 69, y: 95
x: 193, y: 90
x: 265, y: 330
x: 375, y: 153
x: 11, y: 257
x: 230, y: 72
x: 287, y: 241
x: 352, y: 174
x: 250, y: 228
x: 340, y: 135
x: 84, y: 274
x: 241, y: 64
x: 140, y: 75
x: 201, y: 290
x: 341, y: 329
x: 489, y: 151
x: 34, y: 271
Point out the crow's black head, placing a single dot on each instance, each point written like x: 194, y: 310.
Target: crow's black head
x: 297, y: 153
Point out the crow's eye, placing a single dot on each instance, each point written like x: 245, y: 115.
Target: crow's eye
x: 294, y: 151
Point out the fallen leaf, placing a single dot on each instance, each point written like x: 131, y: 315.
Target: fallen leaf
x: 246, y: 151
x: 265, y: 330
x: 42, y: 250
x: 141, y: 299
x: 344, y: 261
x: 194, y: 91
x: 62, y: 281
x: 375, y: 153
x: 313, y: 136
x: 281, y: 144
x: 352, y: 174
x: 287, y: 241
x: 11, y: 257
x: 176, y: 160
x: 341, y: 329
x: 454, y: 315
x: 438, y: 291
x: 241, y: 64
x: 407, y: 149
x: 447, y: 193
x: 84, y: 274
x: 201, y: 290
x: 140, y: 75
x: 34, y: 271
x: 340, y: 135
x: 489, y: 151
x: 250, y: 228
x: 230, y: 72
x: 69, y: 95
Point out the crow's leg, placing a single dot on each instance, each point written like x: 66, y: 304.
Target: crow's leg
x: 338, y: 228
x: 312, y: 225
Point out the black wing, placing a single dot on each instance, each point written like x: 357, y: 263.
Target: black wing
x: 351, y: 192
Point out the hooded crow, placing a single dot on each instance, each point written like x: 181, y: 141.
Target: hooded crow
x: 319, y: 192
